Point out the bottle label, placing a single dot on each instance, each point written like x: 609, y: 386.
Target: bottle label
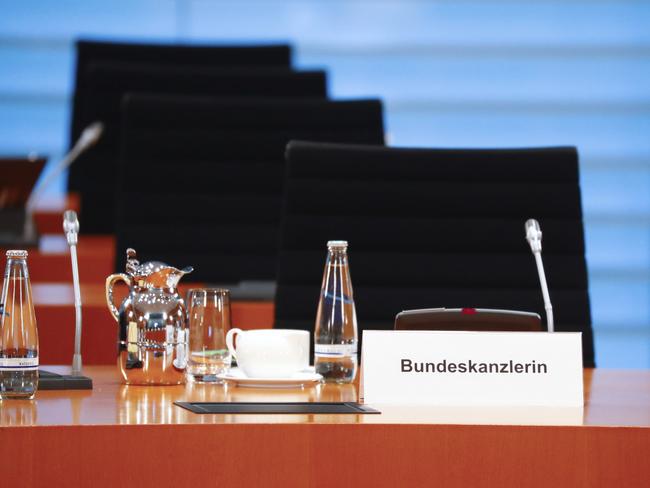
x: 18, y: 364
x: 335, y: 350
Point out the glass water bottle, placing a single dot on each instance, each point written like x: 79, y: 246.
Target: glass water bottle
x: 18, y: 333
x: 335, y: 335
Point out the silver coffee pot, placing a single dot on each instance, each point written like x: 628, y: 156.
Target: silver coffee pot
x: 152, y: 335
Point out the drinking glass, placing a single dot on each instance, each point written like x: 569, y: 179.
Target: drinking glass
x: 209, y: 320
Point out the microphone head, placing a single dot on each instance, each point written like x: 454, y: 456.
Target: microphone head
x: 91, y: 134
x: 70, y: 226
x: 533, y: 235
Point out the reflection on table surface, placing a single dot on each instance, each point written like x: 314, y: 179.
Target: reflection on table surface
x: 620, y: 398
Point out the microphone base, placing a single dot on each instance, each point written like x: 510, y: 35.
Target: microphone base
x: 52, y: 381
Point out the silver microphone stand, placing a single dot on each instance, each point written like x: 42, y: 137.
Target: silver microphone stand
x: 71, y: 229
x: 534, y: 238
x: 75, y: 381
x: 88, y: 138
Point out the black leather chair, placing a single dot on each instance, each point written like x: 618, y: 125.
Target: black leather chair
x: 88, y: 51
x: 202, y: 178
x: 106, y: 84
x: 433, y: 228
x: 143, y: 67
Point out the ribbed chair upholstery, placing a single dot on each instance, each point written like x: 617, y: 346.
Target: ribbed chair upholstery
x: 202, y: 178
x: 171, y: 55
x: 433, y: 228
x: 143, y: 67
x: 107, y: 83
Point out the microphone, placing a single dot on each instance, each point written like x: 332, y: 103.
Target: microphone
x: 90, y: 135
x: 534, y: 238
x: 88, y: 138
x: 71, y: 229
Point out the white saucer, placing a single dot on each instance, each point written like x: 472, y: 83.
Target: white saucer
x: 296, y: 380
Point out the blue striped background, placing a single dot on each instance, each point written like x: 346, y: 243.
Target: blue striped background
x: 452, y: 73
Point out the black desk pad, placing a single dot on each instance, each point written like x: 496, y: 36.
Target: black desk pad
x: 277, y: 407
x: 52, y: 381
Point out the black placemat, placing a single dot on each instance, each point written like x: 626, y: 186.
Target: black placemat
x: 52, y: 381
x: 277, y: 407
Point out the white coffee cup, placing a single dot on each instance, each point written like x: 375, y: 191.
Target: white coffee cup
x: 269, y: 353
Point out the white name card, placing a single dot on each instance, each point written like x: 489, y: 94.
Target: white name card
x: 472, y: 368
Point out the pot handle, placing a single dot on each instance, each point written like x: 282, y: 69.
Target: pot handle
x: 110, y: 283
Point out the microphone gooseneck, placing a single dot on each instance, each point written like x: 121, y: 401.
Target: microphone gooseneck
x: 90, y: 136
x: 71, y: 229
x: 534, y: 238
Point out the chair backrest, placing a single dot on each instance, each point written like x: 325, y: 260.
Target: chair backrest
x: 88, y: 51
x: 18, y: 181
x: 202, y: 178
x: 19, y: 175
x: 433, y: 228
x: 93, y: 176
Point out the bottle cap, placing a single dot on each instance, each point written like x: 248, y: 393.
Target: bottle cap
x: 337, y: 244
x: 17, y: 253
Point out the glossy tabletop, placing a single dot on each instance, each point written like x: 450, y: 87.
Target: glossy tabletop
x: 612, y: 398
x: 120, y: 435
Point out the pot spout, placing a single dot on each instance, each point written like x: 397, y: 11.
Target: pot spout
x: 175, y: 275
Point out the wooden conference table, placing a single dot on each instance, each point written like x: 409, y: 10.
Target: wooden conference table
x: 120, y: 435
